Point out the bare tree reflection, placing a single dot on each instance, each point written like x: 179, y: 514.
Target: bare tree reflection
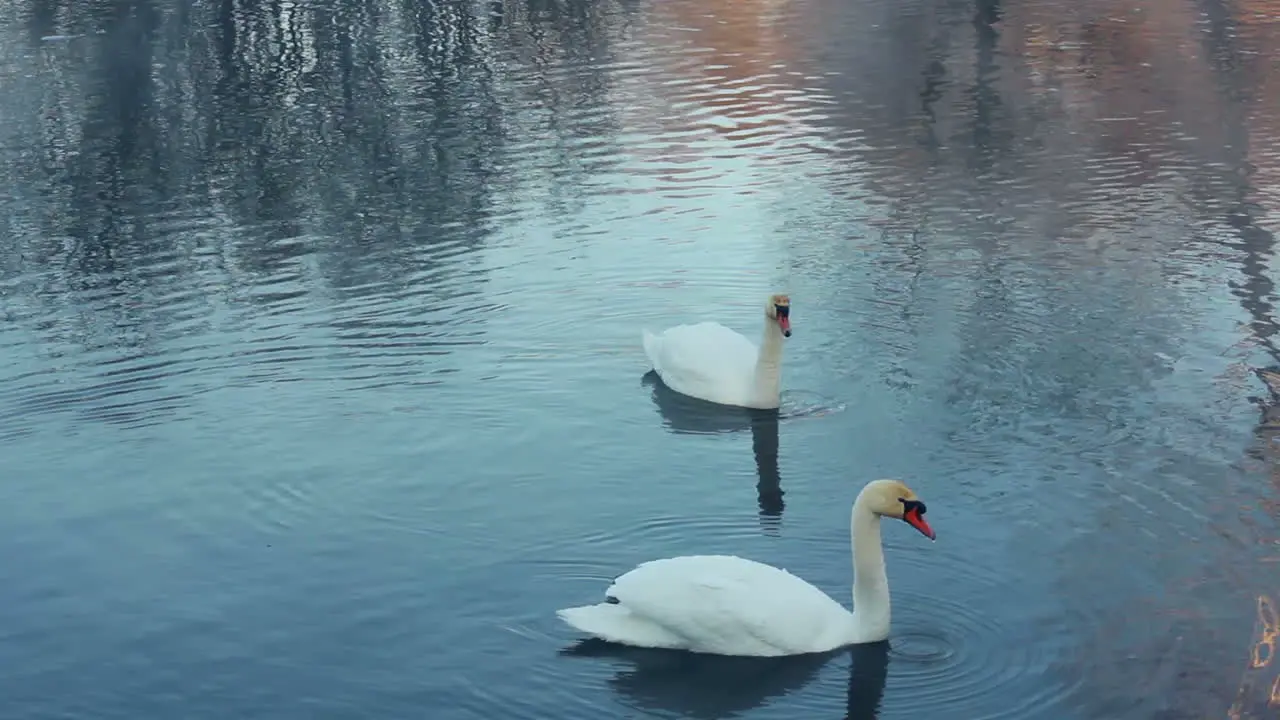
x: 1259, y: 689
x: 187, y: 157
x: 986, y: 98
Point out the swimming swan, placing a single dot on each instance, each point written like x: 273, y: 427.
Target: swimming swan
x: 713, y: 363
x: 726, y: 605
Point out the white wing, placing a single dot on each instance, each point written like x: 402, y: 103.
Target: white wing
x: 731, y: 606
x: 706, y: 360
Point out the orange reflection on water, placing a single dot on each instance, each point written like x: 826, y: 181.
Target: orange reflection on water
x: 1265, y: 650
x: 1261, y: 656
x: 1270, y: 633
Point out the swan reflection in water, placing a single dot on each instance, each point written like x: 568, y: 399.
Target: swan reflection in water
x: 688, y: 415
x: 718, y: 686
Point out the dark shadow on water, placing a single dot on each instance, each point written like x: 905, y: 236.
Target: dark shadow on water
x: 687, y: 415
x: 714, y: 686
x: 683, y: 414
x: 868, y: 672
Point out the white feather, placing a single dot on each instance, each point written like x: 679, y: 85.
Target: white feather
x: 718, y: 604
x: 727, y: 605
x: 711, y: 362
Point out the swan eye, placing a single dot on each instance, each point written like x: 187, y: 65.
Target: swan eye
x: 909, y: 505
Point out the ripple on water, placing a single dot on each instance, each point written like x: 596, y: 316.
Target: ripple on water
x: 582, y: 564
x: 654, y: 532
x: 135, y: 391
x: 959, y: 642
x: 807, y: 405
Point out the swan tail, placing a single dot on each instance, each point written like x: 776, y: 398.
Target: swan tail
x: 652, y: 344
x: 616, y: 624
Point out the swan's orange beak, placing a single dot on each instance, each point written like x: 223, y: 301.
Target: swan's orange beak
x: 783, y: 313
x: 916, y: 520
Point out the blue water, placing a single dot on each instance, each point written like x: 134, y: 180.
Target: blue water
x: 321, y: 386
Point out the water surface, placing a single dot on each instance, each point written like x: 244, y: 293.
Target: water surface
x: 321, y: 387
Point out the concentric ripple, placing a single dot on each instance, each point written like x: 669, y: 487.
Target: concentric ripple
x: 963, y: 641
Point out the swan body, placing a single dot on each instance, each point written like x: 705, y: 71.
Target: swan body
x: 727, y: 605
x: 713, y: 363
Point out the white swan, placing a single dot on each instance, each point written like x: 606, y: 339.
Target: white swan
x: 711, y: 362
x: 725, y: 605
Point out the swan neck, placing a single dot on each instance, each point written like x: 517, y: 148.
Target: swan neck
x: 870, y: 582
x: 769, y: 361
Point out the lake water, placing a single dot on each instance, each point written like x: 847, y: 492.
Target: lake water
x: 321, y: 386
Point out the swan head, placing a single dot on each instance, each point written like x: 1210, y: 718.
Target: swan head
x: 779, y: 310
x: 893, y: 499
